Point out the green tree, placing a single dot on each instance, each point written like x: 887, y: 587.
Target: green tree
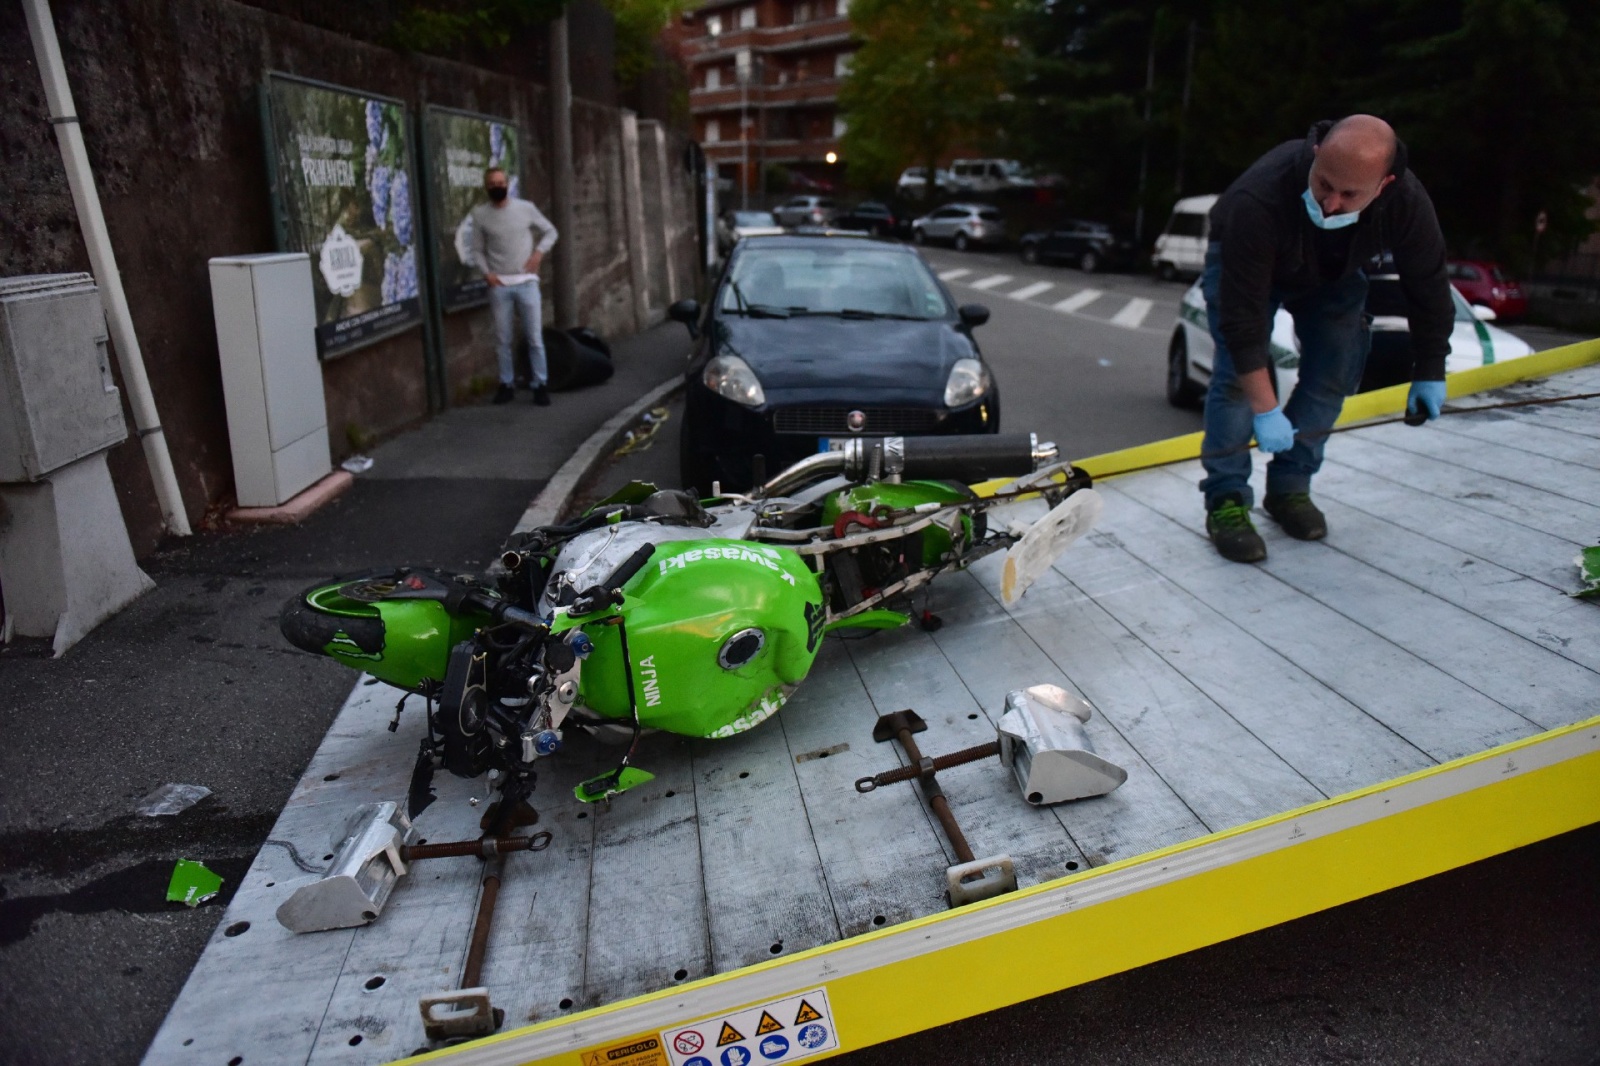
x: 442, y: 25
x: 1499, y: 102
x: 927, y: 79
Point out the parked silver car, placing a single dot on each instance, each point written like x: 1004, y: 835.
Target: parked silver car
x: 806, y: 211
x: 963, y: 225
x: 734, y: 226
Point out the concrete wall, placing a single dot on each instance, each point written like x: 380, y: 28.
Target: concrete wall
x: 167, y: 91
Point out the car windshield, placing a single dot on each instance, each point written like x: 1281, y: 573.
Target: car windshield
x: 843, y: 280
x: 754, y: 218
x: 1385, y: 298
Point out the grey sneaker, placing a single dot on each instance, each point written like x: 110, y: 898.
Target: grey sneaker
x: 1230, y: 529
x: 1298, y: 516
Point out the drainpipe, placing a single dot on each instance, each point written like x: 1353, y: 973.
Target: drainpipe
x: 566, y: 249
x: 86, y: 199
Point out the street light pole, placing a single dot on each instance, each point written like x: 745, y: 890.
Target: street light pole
x: 742, y: 67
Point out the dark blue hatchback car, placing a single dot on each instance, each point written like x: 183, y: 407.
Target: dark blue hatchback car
x: 809, y: 341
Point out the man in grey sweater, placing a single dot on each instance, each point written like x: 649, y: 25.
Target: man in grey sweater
x: 509, y: 240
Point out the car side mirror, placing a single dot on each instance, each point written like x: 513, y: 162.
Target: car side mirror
x: 687, y: 312
x: 1483, y: 314
x: 973, y: 315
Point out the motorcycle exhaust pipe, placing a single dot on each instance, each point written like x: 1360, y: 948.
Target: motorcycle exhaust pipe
x: 967, y: 458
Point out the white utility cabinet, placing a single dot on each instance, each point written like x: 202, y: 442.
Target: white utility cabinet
x: 65, y: 560
x: 271, y: 379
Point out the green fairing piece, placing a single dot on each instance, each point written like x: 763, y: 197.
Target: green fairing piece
x: 1589, y: 573
x: 192, y: 883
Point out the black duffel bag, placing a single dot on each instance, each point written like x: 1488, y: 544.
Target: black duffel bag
x: 573, y: 361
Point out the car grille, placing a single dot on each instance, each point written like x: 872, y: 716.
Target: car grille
x: 892, y: 421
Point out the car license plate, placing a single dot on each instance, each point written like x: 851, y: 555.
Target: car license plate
x: 831, y: 444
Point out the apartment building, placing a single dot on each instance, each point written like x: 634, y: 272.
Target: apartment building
x: 764, y: 80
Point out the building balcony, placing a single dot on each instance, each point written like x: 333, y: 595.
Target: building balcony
x: 704, y: 102
x: 771, y: 39
x: 772, y: 150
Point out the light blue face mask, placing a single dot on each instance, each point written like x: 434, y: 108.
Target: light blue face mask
x: 1322, y: 221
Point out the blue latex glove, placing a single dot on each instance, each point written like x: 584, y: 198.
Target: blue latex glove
x: 1273, y: 431
x: 1425, y: 395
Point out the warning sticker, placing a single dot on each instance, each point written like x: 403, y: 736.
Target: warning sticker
x: 773, y: 1037
x: 640, y: 1051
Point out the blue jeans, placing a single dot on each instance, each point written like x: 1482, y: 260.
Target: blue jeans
x: 504, y: 300
x: 1331, y: 324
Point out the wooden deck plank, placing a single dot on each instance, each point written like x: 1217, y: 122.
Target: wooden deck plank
x: 906, y: 669
x: 541, y: 923
x: 419, y: 951
x: 1573, y: 483
x: 1262, y: 689
x: 1538, y: 684
x: 881, y: 855
x: 1440, y: 715
x: 763, y: 875
x: 1513, y: 429
x: 1140, y: 816
x: 1573, y: 415
x: 1514, y: 501
x: 1521, y: 607
x: 647, y: 907
x: 1225, y: 775
x: 1532, y: 553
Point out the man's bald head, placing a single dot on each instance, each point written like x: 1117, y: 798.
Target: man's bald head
x: 1353, y: 163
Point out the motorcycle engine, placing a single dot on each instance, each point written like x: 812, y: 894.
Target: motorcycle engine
x: 502, y: 706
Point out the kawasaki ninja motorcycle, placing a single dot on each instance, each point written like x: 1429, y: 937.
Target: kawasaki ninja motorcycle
x: 659, y: 611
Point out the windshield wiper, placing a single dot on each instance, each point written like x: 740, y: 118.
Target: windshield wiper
x: 859, y: 314
x: 754, y: 310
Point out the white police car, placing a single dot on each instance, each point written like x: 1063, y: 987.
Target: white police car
x: 1473, y: 342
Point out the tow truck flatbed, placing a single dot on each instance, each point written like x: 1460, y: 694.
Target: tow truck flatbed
x: 1415, y: 693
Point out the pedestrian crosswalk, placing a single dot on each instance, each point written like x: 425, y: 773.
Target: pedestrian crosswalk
x: 1078, y: 301
x: 1133, y: 314
x: 1130, y: 315
x: 1028, y: 292
x: 993, y: 281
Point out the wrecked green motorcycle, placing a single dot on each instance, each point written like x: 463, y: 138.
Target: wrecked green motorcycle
x: 656, y: 610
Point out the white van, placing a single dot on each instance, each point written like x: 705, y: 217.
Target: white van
x: 1181, y: 248
x: 987, y: 175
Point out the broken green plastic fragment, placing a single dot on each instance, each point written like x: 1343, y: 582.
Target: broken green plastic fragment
x: 1589, y: 573
x: 611, y: 784
x: 192, y: 883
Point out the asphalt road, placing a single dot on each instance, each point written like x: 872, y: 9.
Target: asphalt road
x: 1080, y: 358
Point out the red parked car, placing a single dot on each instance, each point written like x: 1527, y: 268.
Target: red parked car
x: 1483, y: 282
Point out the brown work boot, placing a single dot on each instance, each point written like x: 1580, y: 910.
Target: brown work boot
x: 1230, y: 529
x: 1298, y: 516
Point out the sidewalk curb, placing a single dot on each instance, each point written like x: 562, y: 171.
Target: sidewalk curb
x: 547, y: 506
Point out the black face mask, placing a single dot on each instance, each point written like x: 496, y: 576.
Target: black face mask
x: 497, y: 192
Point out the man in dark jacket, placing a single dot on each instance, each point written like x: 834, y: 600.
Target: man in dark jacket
x: 1296, y: 230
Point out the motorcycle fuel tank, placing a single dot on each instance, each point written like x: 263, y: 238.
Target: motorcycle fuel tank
x: 718, y: 633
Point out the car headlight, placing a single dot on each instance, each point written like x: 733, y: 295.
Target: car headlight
x: 731, y: 378
x: 969, y: 379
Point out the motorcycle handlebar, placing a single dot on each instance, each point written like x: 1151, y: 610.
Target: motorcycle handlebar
x: 968, y: 458
x: 608, y: 592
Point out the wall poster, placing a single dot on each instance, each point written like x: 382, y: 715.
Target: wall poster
x: 459, y: 147
x: 342, y: 167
